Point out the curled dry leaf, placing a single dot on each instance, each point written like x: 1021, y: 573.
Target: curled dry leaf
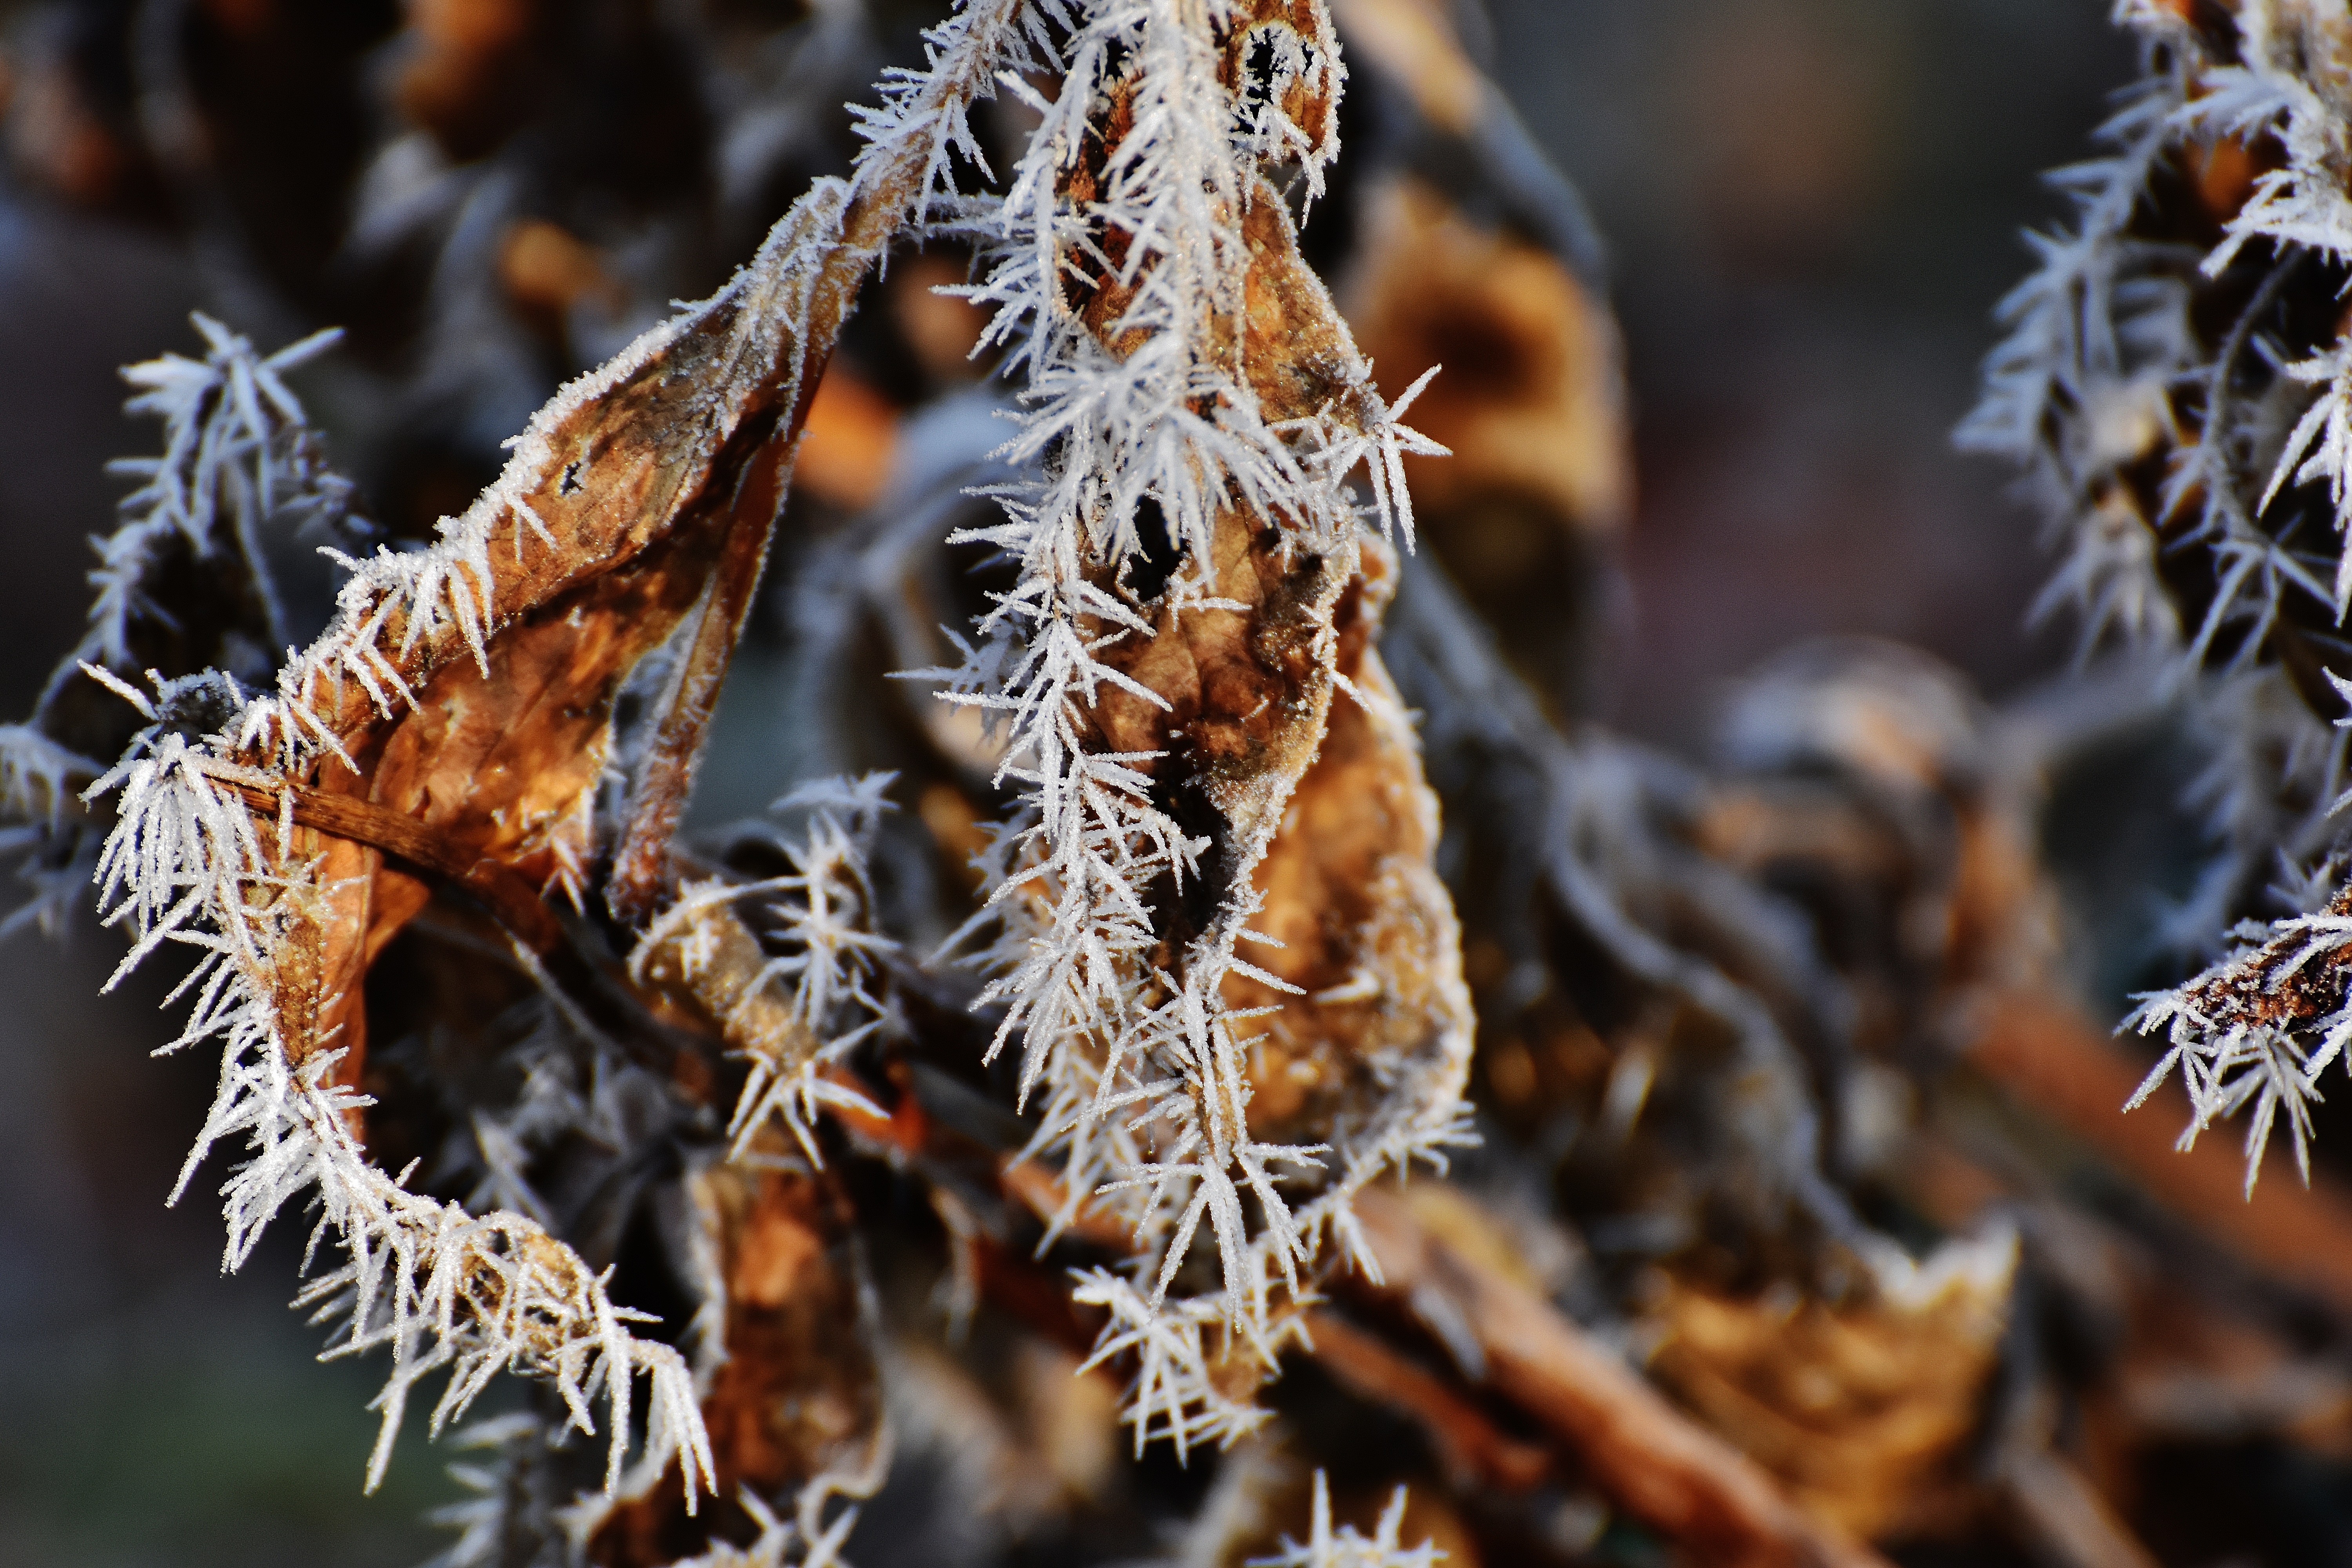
x: 1649, y: 1458
x: 1193, y: 384
x: 471, y: 689
x: 1232, y: 694
x: 1319, y: 832
x: 476, y: 696
x: 1530, y: 404
x: 1414, y: 41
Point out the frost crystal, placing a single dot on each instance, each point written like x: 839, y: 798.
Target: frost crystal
x: 800, y: 1013
x: 2080, y: 387
x: 239, y: 465
x: 2103, y: 368
x: 1347, y: 1548
x: 237, y: 454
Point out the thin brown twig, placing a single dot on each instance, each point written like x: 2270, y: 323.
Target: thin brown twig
x: 2065, y: 1515
x: 641, y: 864
x: 512, y: 901
x: 2056, y: 1061
x: 1649, y: 1458
x: 889, y: 195
x: 1474, y: 1450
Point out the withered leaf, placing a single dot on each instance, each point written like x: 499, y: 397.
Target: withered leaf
x: 471, y: 689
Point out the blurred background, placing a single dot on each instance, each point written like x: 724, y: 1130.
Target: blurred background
x: 1808, y: 209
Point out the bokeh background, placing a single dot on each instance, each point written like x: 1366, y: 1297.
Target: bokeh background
x: 1811, y: 207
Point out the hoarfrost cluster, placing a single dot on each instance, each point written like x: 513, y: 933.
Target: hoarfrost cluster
x: 2196, y: 479
x: 241, y: 474
x: 1140, y: 409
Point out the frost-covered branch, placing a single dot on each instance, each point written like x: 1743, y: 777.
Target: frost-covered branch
x: 2258, y: 1028
x: 799, y: 1013
x: 2197, y: 401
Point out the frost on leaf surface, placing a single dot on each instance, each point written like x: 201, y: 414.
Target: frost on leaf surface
x: 1187, y: 386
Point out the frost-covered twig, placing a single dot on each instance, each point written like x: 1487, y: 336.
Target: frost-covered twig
x: 2104, y: 368
x: 796, y: 1013
x: 237, y: 453
x: 187, y: 570
x: 2258, y: 1030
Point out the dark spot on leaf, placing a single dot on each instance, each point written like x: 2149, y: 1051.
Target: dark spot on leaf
x: 1148, y: 573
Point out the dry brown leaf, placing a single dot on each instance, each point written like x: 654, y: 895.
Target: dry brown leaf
x: 1248, y: 691
x: 1280, y: 721
x: 1244, y: 694
x: 846, y: 447
x: 466, y: 63
x: 547, y: 271
x: 1414, y: 41
x: 1530, y: 400
x: 1651, y: 1459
